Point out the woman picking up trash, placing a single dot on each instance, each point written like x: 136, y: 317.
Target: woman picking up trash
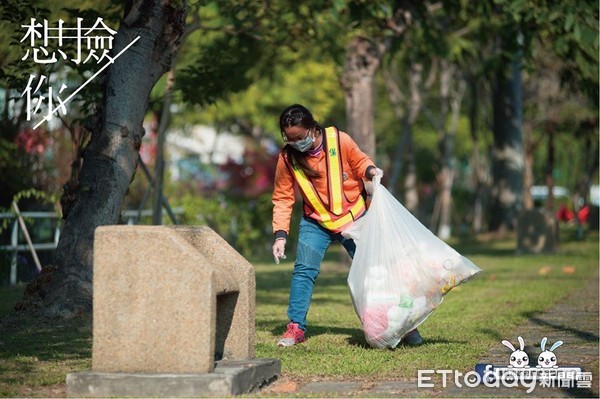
x: 328, y: 168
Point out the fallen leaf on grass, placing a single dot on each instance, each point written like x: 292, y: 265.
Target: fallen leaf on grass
x: 289, y: 386
x: 544, y: 270
x: 283, y: 387
x: 568, y: 269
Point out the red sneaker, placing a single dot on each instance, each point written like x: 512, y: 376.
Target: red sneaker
x: 294, y: 335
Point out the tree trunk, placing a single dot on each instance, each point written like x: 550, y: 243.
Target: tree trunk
x: 165, y: 117
x: 411, y: 192
x: 111, y: 157
x: 362, y: 61
x: 447, y: 136
x: 478, y: 175
x: 507, y: 152
x: 549, y: 170
x: 407, y: 119
x: 397, y: 156
x: 528, y: 167
x: 390, y: 79
x: 590, y: 164
x: 445, y: 144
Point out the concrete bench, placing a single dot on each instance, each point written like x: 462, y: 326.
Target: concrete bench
x: 169, y: 300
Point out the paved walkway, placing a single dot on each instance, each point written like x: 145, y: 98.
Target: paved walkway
x: 573, y: 321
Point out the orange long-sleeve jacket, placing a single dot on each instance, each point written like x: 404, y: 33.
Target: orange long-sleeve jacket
x: 354, y: 168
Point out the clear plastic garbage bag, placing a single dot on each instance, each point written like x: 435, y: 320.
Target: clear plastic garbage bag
x: 400, y: 271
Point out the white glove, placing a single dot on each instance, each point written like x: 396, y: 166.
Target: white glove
x: 377, y: 172
x: 369, y: 183
x: 377, y: 175
x: 279, y: 249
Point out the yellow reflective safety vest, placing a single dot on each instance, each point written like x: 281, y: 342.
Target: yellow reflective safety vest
x: 340, y: 212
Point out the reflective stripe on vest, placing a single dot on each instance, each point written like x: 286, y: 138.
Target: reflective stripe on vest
x: 334, y: 167
x: 330, y: 219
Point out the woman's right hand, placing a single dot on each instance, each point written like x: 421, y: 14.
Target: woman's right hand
x: 279, y: 249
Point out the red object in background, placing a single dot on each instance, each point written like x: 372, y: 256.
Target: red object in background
x: 564, y: 214
x: 583, y: 214
x: 33, y: 142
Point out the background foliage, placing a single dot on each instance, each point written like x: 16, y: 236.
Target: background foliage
x: 242, y: 62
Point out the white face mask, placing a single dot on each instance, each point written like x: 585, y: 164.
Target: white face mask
x: 304, y: 144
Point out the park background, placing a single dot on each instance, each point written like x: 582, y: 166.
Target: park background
x: 476, y: 111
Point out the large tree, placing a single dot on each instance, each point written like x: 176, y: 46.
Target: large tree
x: 572, y: 28
x: 111, y: 157
x: 381, y: 24
x: 507, y: 155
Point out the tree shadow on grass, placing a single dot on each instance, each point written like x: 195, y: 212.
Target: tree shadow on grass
x: 485, y: 251
x: 356, y: 336
x: 492, y: 333
x: 28, y: 335
x: 586, y: 336
x: 471, y: 245
x: 360, y: 341
x: 534, y: 317
x: 314, y: 330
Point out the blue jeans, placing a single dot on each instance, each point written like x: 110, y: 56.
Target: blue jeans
x: 313, y: 241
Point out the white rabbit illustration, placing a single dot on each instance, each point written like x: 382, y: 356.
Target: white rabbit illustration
x: 547, y: 358
x: 518, y: 358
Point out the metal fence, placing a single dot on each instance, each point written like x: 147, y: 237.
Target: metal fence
x: 18, y: 224
x: 18, y: 227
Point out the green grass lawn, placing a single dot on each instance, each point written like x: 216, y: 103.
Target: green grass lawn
x: 472, y: 318
x: 36, y: 354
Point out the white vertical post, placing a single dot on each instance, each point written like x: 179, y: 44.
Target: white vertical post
x: 14, y: 242
x: 27, y: 238
x: 57, y: 233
